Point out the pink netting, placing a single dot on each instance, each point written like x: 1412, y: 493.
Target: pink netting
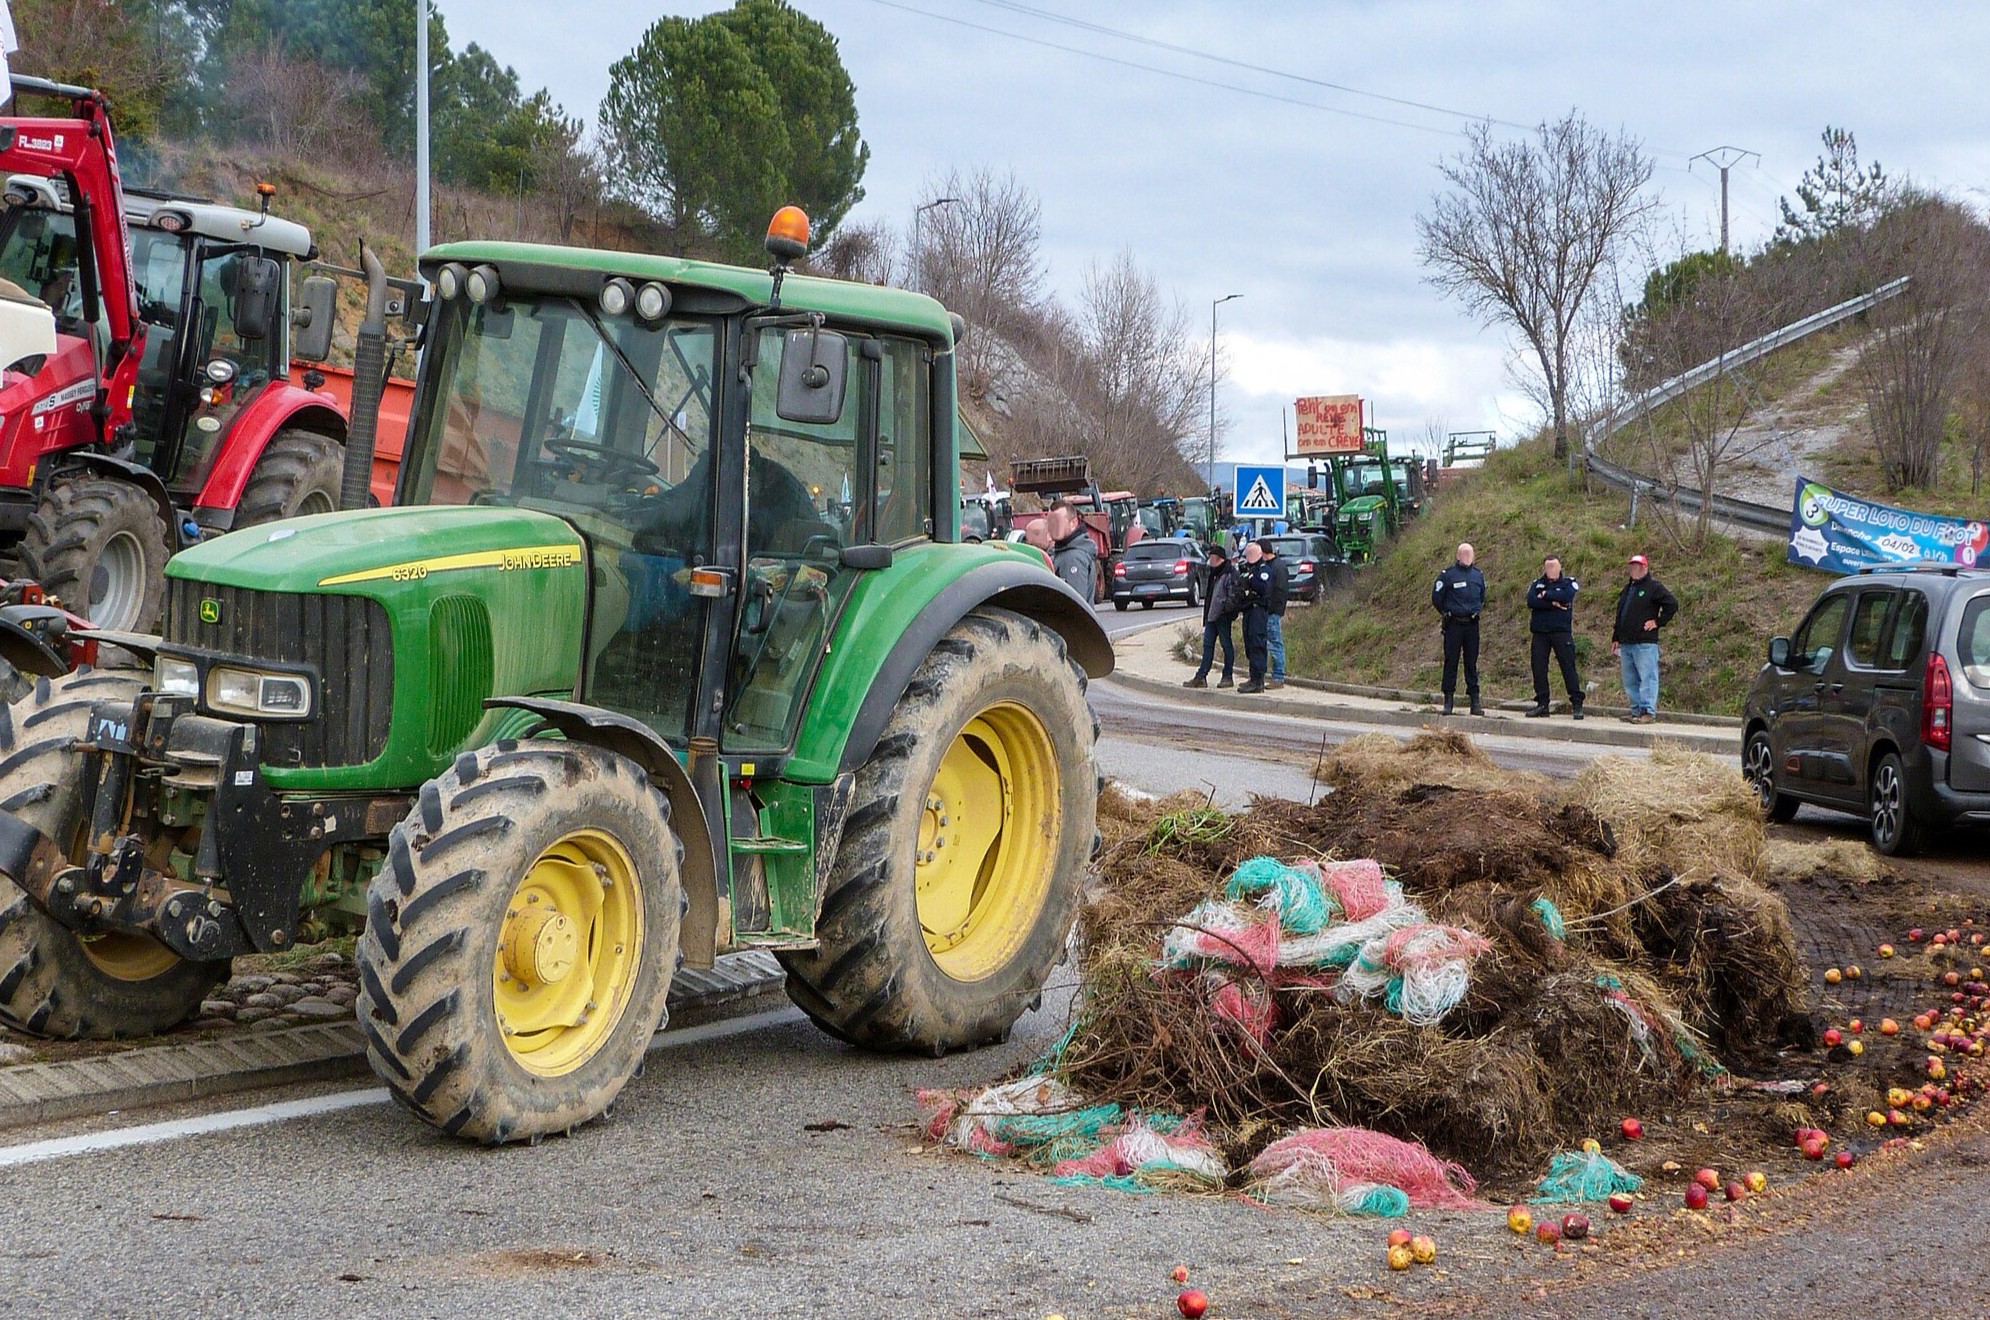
x: 1357, y: 886
x: 1331, y: 1159
x: 1140, y: 1147
x: 1235, y: 933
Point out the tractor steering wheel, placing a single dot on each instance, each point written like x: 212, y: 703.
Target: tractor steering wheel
x: 601, y: 462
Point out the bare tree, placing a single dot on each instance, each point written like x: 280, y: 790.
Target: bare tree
x: 981, y: 255
x: 298, y: 109
x: 572, y: 179
x: 1921, y: 339
x: 1525, y: 230
x: 1144, y: 376
x: 865, y: 251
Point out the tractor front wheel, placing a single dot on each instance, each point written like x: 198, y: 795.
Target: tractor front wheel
x: 99, y: 546
x: 298, y: 474
x: 53, y: 982
x: 963, y: 855
x: 521, y: 939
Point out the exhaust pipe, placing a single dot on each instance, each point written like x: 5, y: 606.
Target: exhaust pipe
x: 369, y: 383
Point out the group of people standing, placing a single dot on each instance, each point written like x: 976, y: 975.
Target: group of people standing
x: 1644, y: 606
x: 1257, y: 591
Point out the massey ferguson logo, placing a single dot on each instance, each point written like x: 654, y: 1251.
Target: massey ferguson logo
x: 210, y: 610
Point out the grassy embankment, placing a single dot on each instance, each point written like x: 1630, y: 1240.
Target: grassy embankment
x: 1733, y: 595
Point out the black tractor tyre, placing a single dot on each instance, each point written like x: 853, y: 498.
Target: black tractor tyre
x: 1758, y: 766
x: 52, y: 982
x: 438, y: 922
x: 99, y: 546
x: 299, y: 473
x: 872, y: 980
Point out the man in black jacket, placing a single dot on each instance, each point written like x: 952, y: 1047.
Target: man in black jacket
x: 1458, y: 596
x: 1219, y: 608
x: 1643, y: 607
x: 1257, y: 579
x: 1551, y: 603
x: 1274, y: 624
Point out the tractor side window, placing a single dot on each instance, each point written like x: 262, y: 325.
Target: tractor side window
x: 159, y: 268
x: 905, y: 443
x: 40, y: 256
x: 807, y: 497
x: 1862, y: 645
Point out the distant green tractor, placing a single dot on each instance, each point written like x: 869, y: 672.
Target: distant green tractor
x: 670, y: 645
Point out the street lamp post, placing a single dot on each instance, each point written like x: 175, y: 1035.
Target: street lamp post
x: 918, y: 267
x: 1212, y: 387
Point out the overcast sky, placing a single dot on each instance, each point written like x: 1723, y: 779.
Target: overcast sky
x: 1308, y: 209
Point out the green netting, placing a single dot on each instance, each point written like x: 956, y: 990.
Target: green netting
x: 1304, y: 907
x: 1577, y: 1175
x: 1551, y: 917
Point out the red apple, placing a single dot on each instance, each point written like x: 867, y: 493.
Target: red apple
x: 1812, y: 1149
x: 1916, y: 935
x: 1696, y: 1197
x: 1621, y: 1202
x: 1708, y: 1179
x: 1833, y: 1038
x: 1192, y: 1304
x: 1575, y: 1227
x: 1844, y: 1159
x: 1734, y: 1191
x: 1632, y: 1129
x: 1548, y: 1231
x: 1400, y: 1238
x: 1180, y: 1275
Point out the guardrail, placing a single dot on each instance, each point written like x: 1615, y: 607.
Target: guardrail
x: 1760, y: 517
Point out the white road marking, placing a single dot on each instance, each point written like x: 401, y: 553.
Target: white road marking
x: 89, y: 1143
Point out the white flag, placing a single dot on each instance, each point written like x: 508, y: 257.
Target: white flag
x: 9, y: 43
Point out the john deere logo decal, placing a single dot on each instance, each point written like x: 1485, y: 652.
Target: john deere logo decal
x: 210, y: 610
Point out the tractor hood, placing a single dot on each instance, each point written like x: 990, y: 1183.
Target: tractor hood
x: 347, y: 551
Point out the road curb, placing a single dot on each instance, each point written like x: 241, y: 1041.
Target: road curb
x: 34, y: 1093
x: 1599, y: 733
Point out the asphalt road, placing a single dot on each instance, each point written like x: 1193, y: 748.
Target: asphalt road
x: 758, y: 1169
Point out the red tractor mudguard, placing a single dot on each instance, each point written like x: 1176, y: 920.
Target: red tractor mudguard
x: 46, y: 412
x: 278, y: 406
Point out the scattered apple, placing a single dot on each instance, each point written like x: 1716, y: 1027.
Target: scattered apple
x: 1708, y: 1179
x: 1192, y: 1303
x: 1812, y: 1149
x: 1852, y: 972
x: 1916, y: 935
x: 1951, y: 978
x: 1898, y: 1096
x: 1180, y: 1275
x: 1923, y: 1022
x: 1621, y: 1202
x: 1591, y: 1146
x: 1844, y: 1159
x: 1696, y: 1197
x: 1670, y: 1166
x: 1888, y: 1027
x: 1575, y: 1227
x: 1886, y: 950
x: 1833, y: 1038
x: 1399, y: 1238
x: 1856, y: 1025
x: 1758, y: 1182
x: 1898, y: 1118
x: 1550, y: 1232
x: 1855, y: 1048
x: 1521, y: 1220
x: 1832, y: 976
x: 1875, y: 1118
x: 1632, y: 1129
x: 1734, y: 1191
x: 1423, y: 1250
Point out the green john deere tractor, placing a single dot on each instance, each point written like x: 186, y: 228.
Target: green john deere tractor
x: 670, y: 646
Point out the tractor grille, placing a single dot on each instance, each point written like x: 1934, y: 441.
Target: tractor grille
x: 346, y: 637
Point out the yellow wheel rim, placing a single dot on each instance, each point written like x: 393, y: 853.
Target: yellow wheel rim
x: 568, y: 953
x: 988, y: 839
x: 129, y: 957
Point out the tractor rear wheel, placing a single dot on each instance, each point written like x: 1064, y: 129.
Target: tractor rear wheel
x: 53, y: 982
x: 521, y: 939
x: 298, y: 474
x: 963, y: 855
x: 100, y: 547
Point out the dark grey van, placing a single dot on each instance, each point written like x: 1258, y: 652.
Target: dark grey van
x: 1879, y: 704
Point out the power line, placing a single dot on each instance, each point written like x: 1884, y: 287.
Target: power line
x: 1085, y: 25
x: 1166, y: 73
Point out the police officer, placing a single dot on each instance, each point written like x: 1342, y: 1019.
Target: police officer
x: 1459, y: 596
x: 1259, y: 582
x: 1551, y: 605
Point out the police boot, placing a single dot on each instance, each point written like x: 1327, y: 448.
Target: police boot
x: 1447, y: 703
x: 1477, y: 709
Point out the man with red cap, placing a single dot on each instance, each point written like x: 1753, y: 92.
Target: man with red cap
x: 1643, y: 607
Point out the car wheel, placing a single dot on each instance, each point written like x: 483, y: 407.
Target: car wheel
x: 1894, y: 830
x: 1758, y: 766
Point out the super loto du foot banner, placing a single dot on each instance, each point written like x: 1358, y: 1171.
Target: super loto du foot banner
x: 1842, y: 533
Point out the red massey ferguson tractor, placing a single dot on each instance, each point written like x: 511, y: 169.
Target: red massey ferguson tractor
x: 167, y: 410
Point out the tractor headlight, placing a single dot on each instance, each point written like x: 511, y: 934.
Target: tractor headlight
x: 617, y: 296
x: 256, y: 693
x: 652, y: 302
x: 482, y: 284
x: 177, y: 678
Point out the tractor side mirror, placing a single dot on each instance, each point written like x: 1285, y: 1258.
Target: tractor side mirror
x: 814, y: 366
x: 1779, y: 652
x: 315, y: 317
x: 258, y: 291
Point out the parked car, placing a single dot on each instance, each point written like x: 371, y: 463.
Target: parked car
x: 1152, y: 571
x: 1879, y: 704
x: 1309, y: 559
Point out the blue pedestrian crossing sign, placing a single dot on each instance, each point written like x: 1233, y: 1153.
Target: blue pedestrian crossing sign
x: 1260, y: 492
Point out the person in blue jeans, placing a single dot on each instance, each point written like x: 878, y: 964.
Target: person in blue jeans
x: 1643, y: 607
x: 1274, y: 624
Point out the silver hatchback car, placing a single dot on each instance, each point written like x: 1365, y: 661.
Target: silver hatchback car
x: 1879, y: 704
